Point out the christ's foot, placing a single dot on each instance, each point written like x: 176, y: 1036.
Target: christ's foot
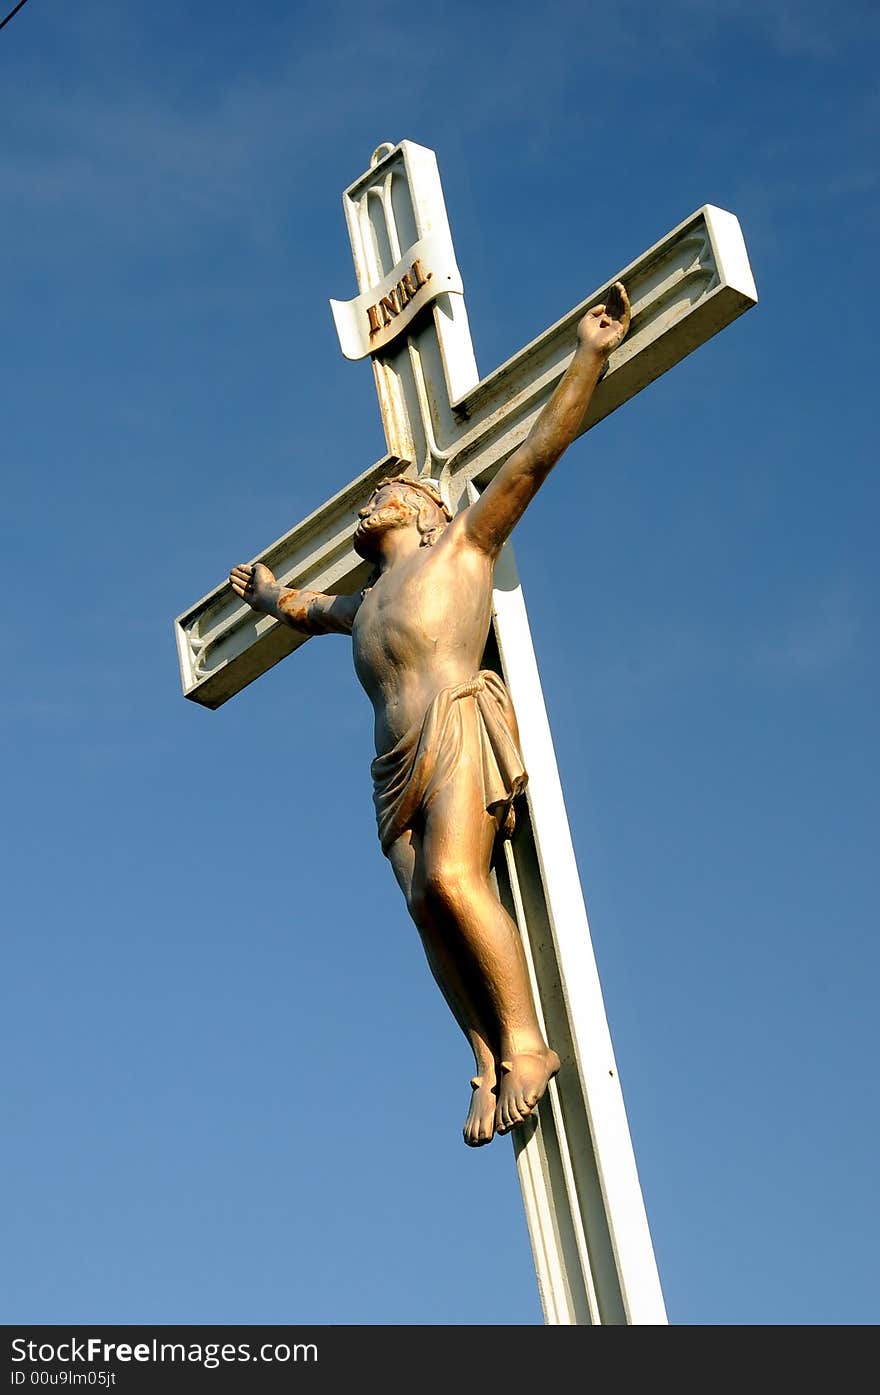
x: 479, y: 1126
x: 524, y: 1079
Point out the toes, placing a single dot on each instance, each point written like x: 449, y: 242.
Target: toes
x: 477, y: 1133
x: 508, y: 1117
x: 479, y: 1126
x: 520, y: 1091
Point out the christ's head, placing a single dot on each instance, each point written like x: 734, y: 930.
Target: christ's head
x: 400, y: 502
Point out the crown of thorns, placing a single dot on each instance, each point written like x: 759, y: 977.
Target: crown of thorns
x: 424, y: 487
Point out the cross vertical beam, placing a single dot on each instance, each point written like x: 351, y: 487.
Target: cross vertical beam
x: 583, y: 1201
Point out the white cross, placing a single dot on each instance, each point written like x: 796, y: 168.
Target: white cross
x: 584, y: 1208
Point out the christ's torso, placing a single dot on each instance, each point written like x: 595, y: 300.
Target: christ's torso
x: 421, y: 628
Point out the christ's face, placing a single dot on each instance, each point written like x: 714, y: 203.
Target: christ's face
x: 390, y: 507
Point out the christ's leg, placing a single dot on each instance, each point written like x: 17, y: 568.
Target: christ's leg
x: 405, y: 858
x: 481, y: 939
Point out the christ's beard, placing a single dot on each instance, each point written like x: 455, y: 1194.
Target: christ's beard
x: 370, y: 530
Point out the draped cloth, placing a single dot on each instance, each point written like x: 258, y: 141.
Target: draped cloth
x: 407, y: 778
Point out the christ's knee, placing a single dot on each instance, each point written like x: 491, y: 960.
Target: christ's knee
x: 452, y: 888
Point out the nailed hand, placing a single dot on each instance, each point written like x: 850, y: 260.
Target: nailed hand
x: 605, y: 326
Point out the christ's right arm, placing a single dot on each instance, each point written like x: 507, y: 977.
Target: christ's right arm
x: 309, y: 611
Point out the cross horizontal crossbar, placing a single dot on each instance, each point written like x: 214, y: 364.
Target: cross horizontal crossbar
x: 686, y: 288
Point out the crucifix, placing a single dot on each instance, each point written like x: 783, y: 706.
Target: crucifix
x: 459, y: 449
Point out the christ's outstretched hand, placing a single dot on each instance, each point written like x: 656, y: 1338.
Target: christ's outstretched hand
x: 605, y: 326
x: 255, y: 584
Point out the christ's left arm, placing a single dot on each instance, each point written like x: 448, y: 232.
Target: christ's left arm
x: 491, y: 519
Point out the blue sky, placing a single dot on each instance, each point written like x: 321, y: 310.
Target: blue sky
x: 233, y: 1093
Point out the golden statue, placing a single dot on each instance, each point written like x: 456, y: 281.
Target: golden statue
x: 448, y: 765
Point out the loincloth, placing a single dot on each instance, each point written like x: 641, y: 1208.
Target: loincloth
x: 407, y: 778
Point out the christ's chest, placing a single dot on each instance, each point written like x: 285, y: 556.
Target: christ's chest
x: 400, y: 619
